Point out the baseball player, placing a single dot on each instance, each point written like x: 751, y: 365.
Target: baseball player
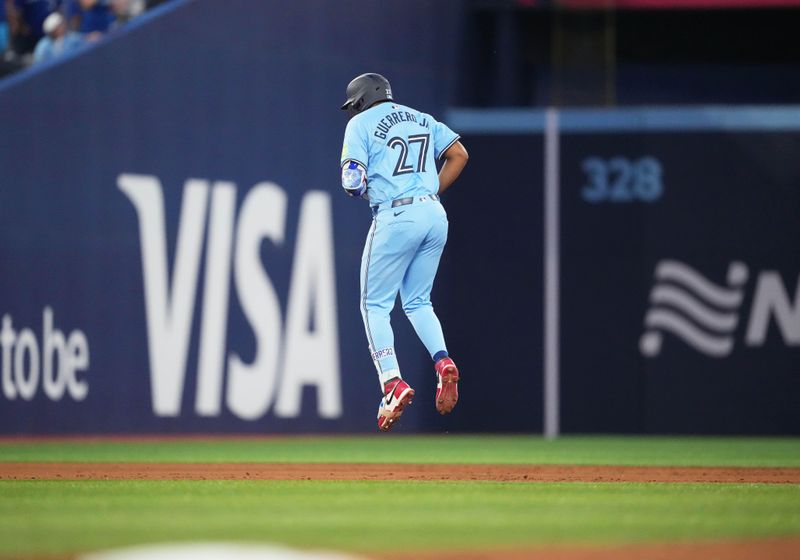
x: 389, y: 158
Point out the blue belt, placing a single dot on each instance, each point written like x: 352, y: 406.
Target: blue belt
x: 403, y: 201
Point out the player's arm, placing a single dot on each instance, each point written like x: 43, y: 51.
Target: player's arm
x: 455, y: 158
x: 354, y: 160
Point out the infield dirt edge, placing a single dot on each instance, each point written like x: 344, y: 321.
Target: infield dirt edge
x: 395, y: 472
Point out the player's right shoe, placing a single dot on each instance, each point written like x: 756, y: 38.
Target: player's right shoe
x: 397, y: 395
x: 447, y: 385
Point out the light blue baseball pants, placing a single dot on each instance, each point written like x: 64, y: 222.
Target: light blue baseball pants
x: 402, y: 254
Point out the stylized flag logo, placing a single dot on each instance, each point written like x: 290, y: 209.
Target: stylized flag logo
x: 688, y: 305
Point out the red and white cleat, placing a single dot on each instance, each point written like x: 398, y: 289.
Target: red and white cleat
x: 447, y: 386
x: 397, y: 396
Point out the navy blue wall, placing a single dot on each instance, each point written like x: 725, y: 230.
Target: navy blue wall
x: 489, y: 290
x: 679, y: 266
x: 210, y: 131
x: 236, y: 91
x: 727, y: 212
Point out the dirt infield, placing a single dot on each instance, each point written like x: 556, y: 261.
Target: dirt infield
x: 369, y: 471
x: 767, y: 549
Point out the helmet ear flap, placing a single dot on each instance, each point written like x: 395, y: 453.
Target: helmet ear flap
x: 354, y: 107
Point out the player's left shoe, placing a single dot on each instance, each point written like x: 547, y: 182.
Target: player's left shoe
x: 397, y: 395
x: 447, y: 386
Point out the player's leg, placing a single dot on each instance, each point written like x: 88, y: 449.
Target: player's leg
x: 386, y: 256
x: 415, y: 293
x: 387, y: 253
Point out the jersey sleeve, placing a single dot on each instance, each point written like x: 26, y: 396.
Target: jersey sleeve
x: 355, y: 145
x: 443, y: 138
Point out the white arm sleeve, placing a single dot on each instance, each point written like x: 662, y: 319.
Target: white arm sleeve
x: 354, y: 178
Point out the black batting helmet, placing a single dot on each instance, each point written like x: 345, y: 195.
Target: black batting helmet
x: 365, y: 91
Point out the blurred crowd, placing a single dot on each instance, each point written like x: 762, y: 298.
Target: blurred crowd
x: 33, y: 31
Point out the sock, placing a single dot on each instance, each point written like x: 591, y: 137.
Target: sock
x: 385, y: 376
x: 439, y: 355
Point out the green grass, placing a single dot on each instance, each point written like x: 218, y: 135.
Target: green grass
x: 47, y: 517
x: 57, y: 517
x: 659, y: 451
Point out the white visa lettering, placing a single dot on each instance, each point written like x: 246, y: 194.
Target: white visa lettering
x: 169, y: 311
x: 771, y: 299
x: 215, y: 300
x: 251, y: 387
x: 310, y: 357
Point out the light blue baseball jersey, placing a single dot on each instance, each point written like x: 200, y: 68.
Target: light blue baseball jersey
x: 399, y: 147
